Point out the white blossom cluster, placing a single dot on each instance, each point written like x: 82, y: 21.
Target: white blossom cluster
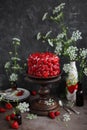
x: 12, y: 66
x: 76, y: 35
x: 60, y: 36
x: 66, y: 67
x: 16, y: 67
x: 17, y: 41
x: 58, y: 8
x: 64, y: 44
x: 66, y: 117
x: 15, y: 58
x: 49, y: 102
x: 31, y: 116
x: 85, y: 71
x: 83, y: 53
x: 7, y: 65
x: 58, y: 48
x: 13, y: 77
x: 23, y: 107
x: 72, y: 52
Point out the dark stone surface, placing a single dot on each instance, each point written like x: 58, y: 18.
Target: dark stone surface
x: 77, y: 122
x: 22, y: 19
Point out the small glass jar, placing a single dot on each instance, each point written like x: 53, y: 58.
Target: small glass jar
x: 13, y: 86
x: 18, y: 117
x: 79, y: 95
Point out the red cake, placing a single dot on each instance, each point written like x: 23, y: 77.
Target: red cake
x: 43, y: 65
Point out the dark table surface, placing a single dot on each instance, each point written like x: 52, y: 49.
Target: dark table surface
x: 77, y: 122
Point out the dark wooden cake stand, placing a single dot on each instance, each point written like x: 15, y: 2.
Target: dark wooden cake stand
x: 39, y: 106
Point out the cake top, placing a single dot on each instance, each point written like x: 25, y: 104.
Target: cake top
x: 44, y: 55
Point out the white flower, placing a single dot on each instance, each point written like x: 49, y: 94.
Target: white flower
x: 58, y: 8
x: 23, y: 107
x: 76, y: 35
x: 31, y: 116
x: 15, y: 58
x: 58, y: 48
x: 83, y: 53
x: 66, y: 67
x: 85, y: 71
x: 72, y: 52
x: 66, y: 117
x: 10, y: 52
x: 16, y: 67
x: 49, y: 102
x: 16, y: 39
x: 7, y: 65
x: 12, y: 67
x: 13, y: 77
x: 60, y: 36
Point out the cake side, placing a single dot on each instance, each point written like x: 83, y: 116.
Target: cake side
x: 43, y: 65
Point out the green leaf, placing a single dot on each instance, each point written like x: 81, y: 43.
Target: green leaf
x: 44, y: 16
x: 48, y: 33
x: 39, y: 36
x: 50, y: 42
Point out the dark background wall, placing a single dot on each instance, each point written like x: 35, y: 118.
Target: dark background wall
x: 22, y: 19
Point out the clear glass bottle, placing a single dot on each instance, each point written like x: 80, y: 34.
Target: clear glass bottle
x: 18, y: 117
x: 79, y: 95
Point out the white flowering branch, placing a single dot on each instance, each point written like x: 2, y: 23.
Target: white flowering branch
x: 13, y: 67
x: 62, y: 43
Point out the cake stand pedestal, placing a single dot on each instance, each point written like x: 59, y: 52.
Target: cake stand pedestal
x: 44, y: 104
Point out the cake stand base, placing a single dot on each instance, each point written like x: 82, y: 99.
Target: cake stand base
x: 44, y: 104
x: 40, y: 108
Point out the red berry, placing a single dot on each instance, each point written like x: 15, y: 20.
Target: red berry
x: 2, y: 110
x: 12, y: 116
x: 45, y: 74
x: 8, y: 118
x: 34, y: 93
x: 8, y: 106
x: 52, y: 115
x: 57, y: 113
x: 15, y: 125
x: 20, y: 93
